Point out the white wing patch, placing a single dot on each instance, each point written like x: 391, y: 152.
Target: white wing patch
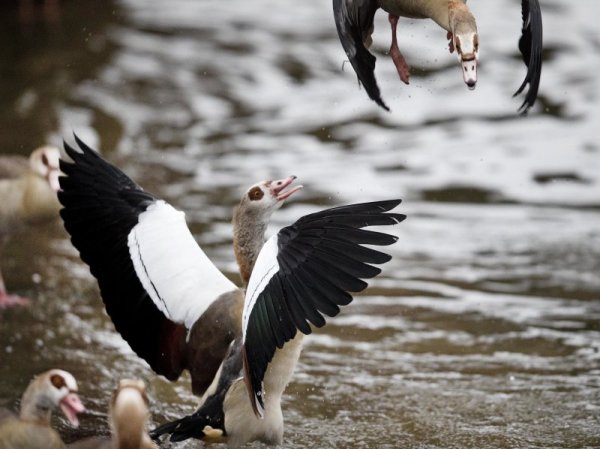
x: 173, y: 269
x: 265, y: 267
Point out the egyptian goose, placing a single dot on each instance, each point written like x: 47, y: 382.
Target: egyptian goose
x: 128, y: 416
x: 354, y: 22
x: 46, y: 392
x: 178, y: 311
x: 27, y: 197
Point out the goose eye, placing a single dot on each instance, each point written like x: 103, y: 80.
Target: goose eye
x: 58, y: 381
x: 255, y: 194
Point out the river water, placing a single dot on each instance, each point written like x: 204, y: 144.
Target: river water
x: 484, y: 329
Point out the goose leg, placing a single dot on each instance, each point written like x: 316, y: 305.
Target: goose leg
x: 401, y: 66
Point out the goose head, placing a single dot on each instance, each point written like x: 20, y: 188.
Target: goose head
x: 129, y: 414
x: 44, y: 162
x: 53, y: 389
x: 267, y: 196
x: 252, y: 216
x: 465, y: 40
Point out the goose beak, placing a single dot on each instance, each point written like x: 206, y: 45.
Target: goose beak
x: 469, y: 71
x: 277, y: 188
x: 70, y: 406
x: 52, y: 178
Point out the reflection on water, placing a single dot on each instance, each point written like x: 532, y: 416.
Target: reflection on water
x: 42, y: 59
x: 484, y: 329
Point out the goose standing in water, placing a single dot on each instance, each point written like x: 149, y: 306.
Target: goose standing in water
x: 354, y: 22
x: 128, y: 416
x: 27, y: 197
x: 46, y: 392
x: 178, y: 311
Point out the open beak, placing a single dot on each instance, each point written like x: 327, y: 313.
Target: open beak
x: 469, y: 71
x: 278, y: 187
x: 70, y: 406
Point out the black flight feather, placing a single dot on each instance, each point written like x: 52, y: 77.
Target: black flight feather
x: 531, y: 45
x: 351, y: 24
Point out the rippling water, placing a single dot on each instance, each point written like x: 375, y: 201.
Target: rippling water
x: 483, y: 331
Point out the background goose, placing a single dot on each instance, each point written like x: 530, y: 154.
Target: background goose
x: 354, y: 22
x: 27, y: 197
x: 128, y: 416
x: 135, y: 246
x: 46, y: 392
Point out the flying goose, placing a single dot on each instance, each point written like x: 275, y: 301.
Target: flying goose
x: 354, y: 23
x: 46, y: 392
x: 27, y: 197
x: 178, y: 311
x: 128, y: 416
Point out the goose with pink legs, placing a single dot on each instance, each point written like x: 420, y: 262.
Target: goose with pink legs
x: 354, y: 20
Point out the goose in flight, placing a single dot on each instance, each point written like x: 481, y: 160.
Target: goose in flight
x: 177, y: 311
x: 354, y: 23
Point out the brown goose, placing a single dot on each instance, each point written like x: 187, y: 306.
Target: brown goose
x: 27, y: 197
x: 354, y: 22
x: 128, y: 416
x: 178, y: 311
x: 46, y: 392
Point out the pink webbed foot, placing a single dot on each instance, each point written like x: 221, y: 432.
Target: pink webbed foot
x: 401, y: 65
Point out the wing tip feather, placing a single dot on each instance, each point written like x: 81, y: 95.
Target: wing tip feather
x: 255, y: 400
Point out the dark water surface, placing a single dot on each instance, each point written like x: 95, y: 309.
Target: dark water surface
x: 483, y: 331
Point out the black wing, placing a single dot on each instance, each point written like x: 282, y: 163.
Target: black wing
x: 531, y: 45
x: 98, y: 197
x: 320, y: 259
x: 354, y: 20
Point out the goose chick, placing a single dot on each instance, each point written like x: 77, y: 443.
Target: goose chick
x: 128, y: 416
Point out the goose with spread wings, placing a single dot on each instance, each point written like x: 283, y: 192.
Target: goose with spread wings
x: 354, y: 22
x: 177, y: 311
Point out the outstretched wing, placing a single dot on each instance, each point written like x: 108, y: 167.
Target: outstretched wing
x: 354, y: 21
x: 531, y: 45
x: 154, y: 279
x: 304, y: 272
